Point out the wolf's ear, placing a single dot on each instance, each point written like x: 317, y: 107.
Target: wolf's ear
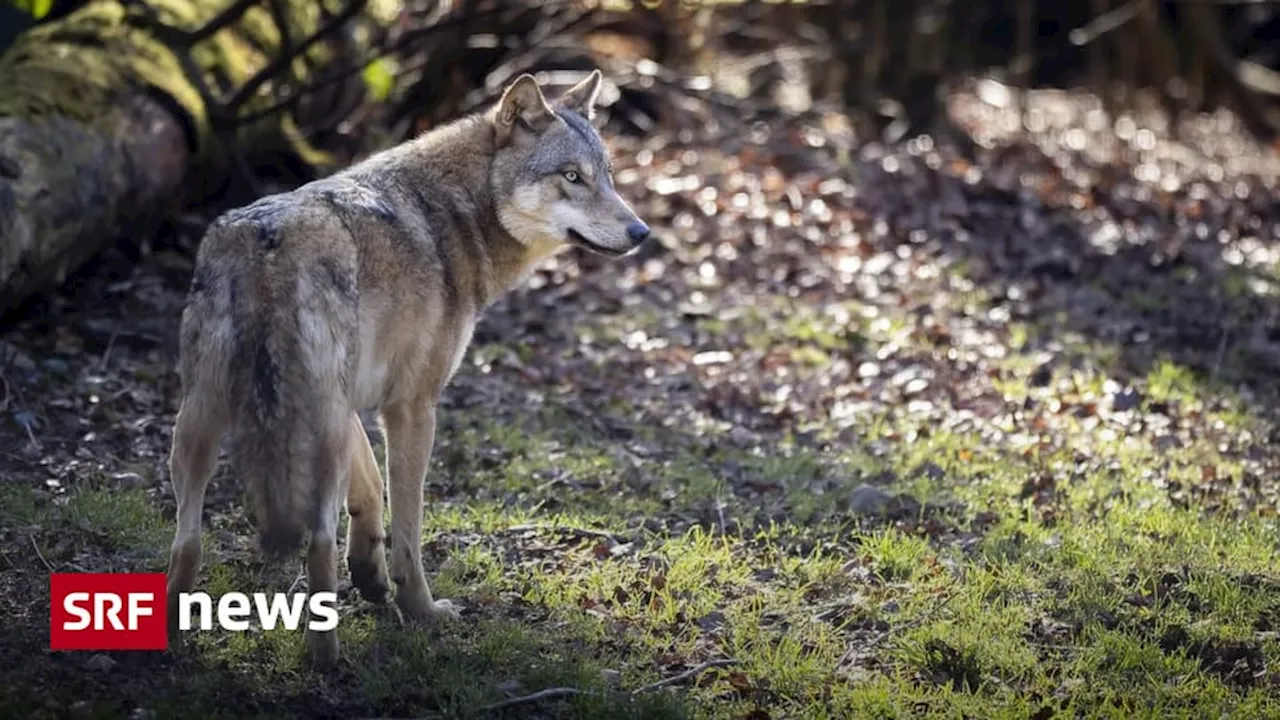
x: 522, y: 103
x: 582, y: 97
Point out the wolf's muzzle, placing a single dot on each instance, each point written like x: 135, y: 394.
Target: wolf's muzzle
x: 637, y: 232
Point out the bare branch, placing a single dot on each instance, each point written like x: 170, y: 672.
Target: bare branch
x: 288, y: 99
x: 220, y: 21
x: 269, y: 71
x: 177, y: 37
x: 282, y: 24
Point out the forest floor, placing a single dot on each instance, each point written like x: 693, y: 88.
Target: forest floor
x: 860, y: 435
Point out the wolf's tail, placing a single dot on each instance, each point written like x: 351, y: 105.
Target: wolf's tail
x: 274, y: 443
x: 262, y: 456
x: 271, y: 441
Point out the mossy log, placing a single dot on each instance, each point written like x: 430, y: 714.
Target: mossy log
x: 102, y: 132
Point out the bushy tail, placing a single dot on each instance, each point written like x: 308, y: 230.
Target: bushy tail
x: 272, y: 442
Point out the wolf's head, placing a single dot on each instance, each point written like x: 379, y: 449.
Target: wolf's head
x: 551, y: 176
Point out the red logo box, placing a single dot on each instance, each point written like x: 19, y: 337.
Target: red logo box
x: 107, y: 611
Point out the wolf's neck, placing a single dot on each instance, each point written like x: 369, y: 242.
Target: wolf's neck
x: 450, y: 166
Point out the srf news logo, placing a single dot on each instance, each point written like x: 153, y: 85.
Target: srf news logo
x: 129, y: 611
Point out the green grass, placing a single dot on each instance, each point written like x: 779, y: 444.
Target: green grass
x: 1107, y: 600
x: 1057, y: 562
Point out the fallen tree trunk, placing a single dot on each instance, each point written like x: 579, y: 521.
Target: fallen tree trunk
x: 67, y: 187
x: 105, y: 115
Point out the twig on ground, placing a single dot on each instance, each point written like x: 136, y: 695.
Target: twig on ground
x: 687, y: 674
x: 106, y: 354
x: 591, y: 418
x: 4, y: 402
x: 559, y: 692
x: 914, y: 622
x: 301, y: 574
x: 1222, y: 351
x: 40, y: 555
x: 585, y: 532
x: 555, y: 692
x: 26, y: 424
x: 31, y: 436
x: 720, y: 505
x: 1065, y: 648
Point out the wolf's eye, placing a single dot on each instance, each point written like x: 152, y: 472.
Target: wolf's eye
x: 572, y: 176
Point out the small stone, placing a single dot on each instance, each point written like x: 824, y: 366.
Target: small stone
x: 906, y: 506
x: 712, y: 622
x: 932, y: 471
x: 741, y: 437
x: 1127, y: 400
x: 915, y: 386
x: 100, y: 663
x: 16, y: 358
x: 1041, y: 376
x: 612, y: 679
x: 128, y: 479
x: 764, y: 574
x: 868, y: 500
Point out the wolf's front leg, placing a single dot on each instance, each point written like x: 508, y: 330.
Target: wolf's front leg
x: 410, y: 434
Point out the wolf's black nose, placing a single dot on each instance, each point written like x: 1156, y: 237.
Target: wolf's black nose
x: 637, y: 232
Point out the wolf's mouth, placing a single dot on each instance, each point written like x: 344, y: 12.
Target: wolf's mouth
x: 579, y: 239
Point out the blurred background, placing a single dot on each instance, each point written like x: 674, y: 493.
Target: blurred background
x: 269, y: 93
x: 344, y: 79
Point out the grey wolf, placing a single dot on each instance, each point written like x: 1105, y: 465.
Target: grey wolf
x: 360, y: 291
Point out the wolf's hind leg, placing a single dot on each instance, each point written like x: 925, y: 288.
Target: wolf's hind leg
x: 331, y: 461
x: 366, y: 536
x: 197, y: 435
x: 411, y: 430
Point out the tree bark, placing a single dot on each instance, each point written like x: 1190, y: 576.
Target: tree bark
x: 101, y: 129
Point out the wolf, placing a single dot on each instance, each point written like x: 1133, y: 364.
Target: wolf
x: 359, y: 291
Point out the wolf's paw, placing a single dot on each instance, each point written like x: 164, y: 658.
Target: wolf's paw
x: 446, y: 610
x: 370, y: 578
x: 324, y: 648
x: 419, y: 609
x: 177, y: 643
x: 176, y: 638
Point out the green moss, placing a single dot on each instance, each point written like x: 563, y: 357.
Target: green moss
x: 77, y: 66
x: 53, y: 70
